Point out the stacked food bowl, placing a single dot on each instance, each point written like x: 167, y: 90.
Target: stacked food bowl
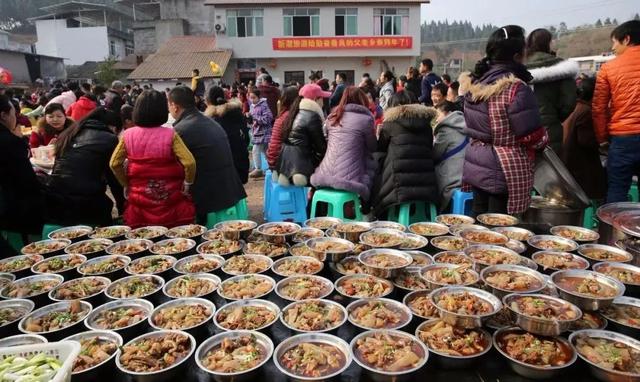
x: 327, y: 299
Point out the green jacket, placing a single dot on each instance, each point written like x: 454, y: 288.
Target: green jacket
x: 555, y: 89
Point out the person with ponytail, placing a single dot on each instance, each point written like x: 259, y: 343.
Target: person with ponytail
x: 503, y: 124
x: 289, y: 96
x: 76, y: 190
x: 229, y: 115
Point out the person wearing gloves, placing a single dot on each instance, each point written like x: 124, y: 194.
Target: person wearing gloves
x: 160, y: 168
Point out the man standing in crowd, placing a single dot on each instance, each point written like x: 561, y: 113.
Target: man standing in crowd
x: 217, y: 185
x: 113, y: 97
x: 616, y: 110
x: 429, y: 79
x: 271, y: 93
x: 197, y: 83
x: 341, y: 81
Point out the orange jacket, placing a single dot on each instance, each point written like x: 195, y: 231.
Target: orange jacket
x: 616, y: 100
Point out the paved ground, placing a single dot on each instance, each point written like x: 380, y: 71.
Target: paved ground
x: 255, y: 198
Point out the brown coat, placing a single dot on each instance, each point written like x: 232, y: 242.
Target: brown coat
x: 580, y: 152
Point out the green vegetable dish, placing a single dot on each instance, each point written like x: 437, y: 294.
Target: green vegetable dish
x: 39, y: 368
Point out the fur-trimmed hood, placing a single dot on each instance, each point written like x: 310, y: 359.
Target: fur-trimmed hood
x: 545, y: 67
x: 311, y: 105
x: 480, y: 92
x: 219, y: 111
x: 405, y: 114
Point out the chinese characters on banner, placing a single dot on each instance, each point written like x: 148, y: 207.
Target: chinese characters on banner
x: 322, y: 43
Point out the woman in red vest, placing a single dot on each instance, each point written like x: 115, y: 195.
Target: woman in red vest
x: 159, y: 167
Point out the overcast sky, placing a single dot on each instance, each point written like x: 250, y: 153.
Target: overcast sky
x: 529, y: 13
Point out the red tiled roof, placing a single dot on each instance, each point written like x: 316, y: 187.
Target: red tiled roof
x: 130, y: 62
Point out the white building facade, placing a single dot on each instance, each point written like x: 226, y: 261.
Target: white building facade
x: 81, y: 32
x: 292, y: 38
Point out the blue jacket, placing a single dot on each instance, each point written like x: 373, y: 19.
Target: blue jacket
x: 427, y: 83
x: 337, y: 95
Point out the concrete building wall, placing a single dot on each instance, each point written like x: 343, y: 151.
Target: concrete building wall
x: 198, y: 15
x: 329, y: 67
x: 76, y: 45
x: 256, y: 47
x: 144, y: 39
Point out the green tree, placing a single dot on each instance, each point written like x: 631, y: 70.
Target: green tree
x: 607, y: 21
x: 106, y: 73
x: 598, y: 23
x: 636, y: 17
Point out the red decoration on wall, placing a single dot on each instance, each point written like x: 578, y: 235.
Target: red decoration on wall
x: 336, y: 43
x: 5, y: 76
x: 366, y: 61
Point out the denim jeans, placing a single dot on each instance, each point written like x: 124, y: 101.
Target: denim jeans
x: 622, y: 165
x: 258, y: 150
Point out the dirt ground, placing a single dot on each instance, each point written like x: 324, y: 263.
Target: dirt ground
x: 254, y: 189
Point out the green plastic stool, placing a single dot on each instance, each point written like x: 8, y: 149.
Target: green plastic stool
x: 634, y: 194
x: 48, y: 228
x: 238, y: 212
x: 402, y: 213
x: 14, y: 239
x: 336, y: 200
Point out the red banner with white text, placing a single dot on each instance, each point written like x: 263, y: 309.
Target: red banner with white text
x: 332, y: 43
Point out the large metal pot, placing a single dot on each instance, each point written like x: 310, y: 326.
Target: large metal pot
x: 548, y: 212
x: 609, y: 235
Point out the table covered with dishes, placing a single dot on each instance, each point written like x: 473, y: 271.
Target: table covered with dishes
x: 480, y: 299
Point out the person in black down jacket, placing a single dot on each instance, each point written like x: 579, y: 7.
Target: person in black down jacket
x: 217, y: 185
x: 20, y: 192
x: 229, y: 116
x: 76, y: 190
x: 405, y: 144
x: 303, y: 141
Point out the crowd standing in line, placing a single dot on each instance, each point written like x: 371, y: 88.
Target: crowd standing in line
x: 390, y: 139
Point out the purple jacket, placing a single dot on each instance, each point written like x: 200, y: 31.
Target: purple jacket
x: 481, y: 166
x: 262, y: 123
x: 348, y: 163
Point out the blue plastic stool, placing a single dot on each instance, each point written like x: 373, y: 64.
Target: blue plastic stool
x: 238, y: 212
x: 412, y: 212
x: 286, y: 204
x: 48, y: 228
x: 336, y: 200
x: 14, y: 239
x: 634, y: 194
x: 264, y: 165
x: 461, y: 202
x: 266, y: 192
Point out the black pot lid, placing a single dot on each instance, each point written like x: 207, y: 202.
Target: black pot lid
x: 608, y: 212
x: 628, y: 222
x: 554, y: 182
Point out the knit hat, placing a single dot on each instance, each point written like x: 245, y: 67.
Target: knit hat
x: 313, y: 91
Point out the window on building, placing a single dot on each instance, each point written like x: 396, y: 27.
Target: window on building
x: 112, y: 48
x: 390, y: 21
x: 294, y: 77
x: 128, y: 49
x: 301, y: 21
x: 246, y: 64
x: 346, y: 21
x: 245, y: 22
x: 351, y: 74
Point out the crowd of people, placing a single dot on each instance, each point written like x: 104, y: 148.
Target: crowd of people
x: 172, y: 157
